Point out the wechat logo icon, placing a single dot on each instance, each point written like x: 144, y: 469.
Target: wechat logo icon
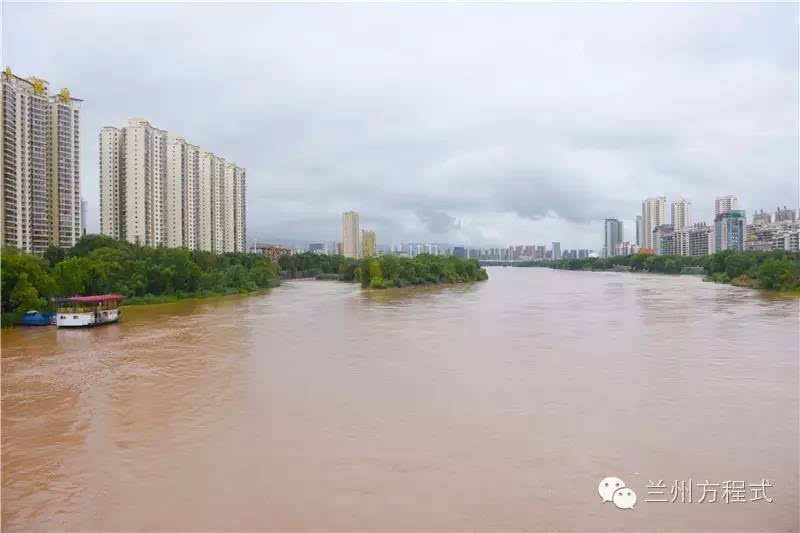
x: 613, y: 489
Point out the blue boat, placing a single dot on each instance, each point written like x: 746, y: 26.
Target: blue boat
x: 35, y: 318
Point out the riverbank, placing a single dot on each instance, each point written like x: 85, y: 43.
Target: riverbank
x: 203, y: 295
x: 11, y: 319
x: 98, y: 264
x: 776, y: 271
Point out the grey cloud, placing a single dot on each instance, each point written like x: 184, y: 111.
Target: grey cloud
x: 474, y: 123
x: 437, y: 222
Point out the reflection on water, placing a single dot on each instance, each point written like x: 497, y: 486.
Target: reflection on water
x: 490, y: 406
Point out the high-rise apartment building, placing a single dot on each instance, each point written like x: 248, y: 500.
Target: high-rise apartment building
x: 653, y: 215
x: 639, y: 230
x: 556, y: 250
x: 40, y: 204
x: 368, y: 243
x: 729, y: 230
x: 351, y: 242
x: 157, y: 189
x: 700, y: 240
x: 613, y: 237
x: 681, y: 211
x: 696, y: 240
x: 664, y: 240
x: 723, y: 204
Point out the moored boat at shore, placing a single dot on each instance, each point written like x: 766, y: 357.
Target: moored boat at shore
x: 37, y: 318
x: 78, y: 311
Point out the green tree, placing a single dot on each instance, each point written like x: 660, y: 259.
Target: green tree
x: 13, y: 264
x: 779, y: 274
x: 72, y: 276
x: 25, y: 297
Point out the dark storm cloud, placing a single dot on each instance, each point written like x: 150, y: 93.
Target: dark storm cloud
x: 468, y: 123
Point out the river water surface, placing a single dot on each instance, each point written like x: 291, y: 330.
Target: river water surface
x: 492, y: 406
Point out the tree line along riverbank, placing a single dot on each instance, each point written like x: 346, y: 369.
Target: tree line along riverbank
x: 99, y: 264
x: 385, y: 271
x: 777, y: 270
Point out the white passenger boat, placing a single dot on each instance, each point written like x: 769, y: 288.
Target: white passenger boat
x: 80, y: 311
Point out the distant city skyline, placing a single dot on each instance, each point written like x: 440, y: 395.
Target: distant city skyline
x: 683, y: 208
x: 444, y: 141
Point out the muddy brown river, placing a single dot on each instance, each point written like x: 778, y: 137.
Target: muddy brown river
x: 492, y: 406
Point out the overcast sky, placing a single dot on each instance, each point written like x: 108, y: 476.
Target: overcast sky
x: 472, y: 124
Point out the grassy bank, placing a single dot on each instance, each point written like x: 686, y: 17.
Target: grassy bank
x: 778, y: 270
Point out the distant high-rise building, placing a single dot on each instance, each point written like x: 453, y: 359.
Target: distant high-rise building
x: 351, y: 236
x: 625, y: 248
x: 613, y: 236
x: 729, y: 230
x: 681, y: 211
x: 369, y: 246
x: 639, y: 230
x: 653, y: 215
x: 556, y: 250
x: 156, y: 189
x: 696, y: 240
x: 40, y: 204
x: 725, y: 203
x: 317, y: 247
x: 761, y: 218
x: 460, y: 252
x: 784, y: 215
x: 664, y: 239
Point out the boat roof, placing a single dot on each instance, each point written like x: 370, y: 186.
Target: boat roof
x: 97, y: 298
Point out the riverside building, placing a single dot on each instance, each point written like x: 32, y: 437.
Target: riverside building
x: 40, y: 204
x: 157, y: 189
x: 653, y: 215
x: 351, y: 241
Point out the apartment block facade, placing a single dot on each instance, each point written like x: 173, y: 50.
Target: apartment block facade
x: 681, y: 213
x: 156, y: 189
x: 369, y: 246
x: 613, y: 237
x: 40, y: 204
x: 653, y: 215
x: 351, y: 243
x: 730, y: 230
x: 695, y: 241
x: 723, y: 204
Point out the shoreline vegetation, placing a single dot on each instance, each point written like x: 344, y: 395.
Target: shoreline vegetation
x: 383, y: 272
x: 99, y: 264
x: 777, y: 270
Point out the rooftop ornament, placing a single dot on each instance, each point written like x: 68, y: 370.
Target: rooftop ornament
x: 38, y: 86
